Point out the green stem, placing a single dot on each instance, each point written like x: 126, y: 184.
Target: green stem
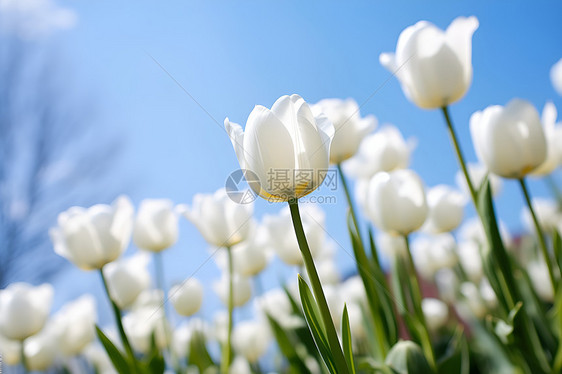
x: 542, y: 243
x: 120, y: 328
x: 460, y: 157
x: 333, y: 340
x: 417, y: 304
x: 227, y: 350
x: 23, y: 357
x: 362, y: 267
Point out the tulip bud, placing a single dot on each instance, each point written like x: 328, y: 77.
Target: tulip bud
x: 24, y: 309
x: 556, y: 76
x: 252, y: 256
x: 241, y: 289
x: 281, y: 144
x: 350, y: 128
x: 470, y: 259
x: 509, y: 140
x: 221, y: 221
x: 251, y: 339
x: 433, y: 66
x: 76, y: 324
x: 385, y: 150
x: 446, y: 209
x: 239, y: 366
x: 436, y: 313
x: 93, y: 237
x: 187, y: 297
x: 553, y: 134
x: 396, y: 201
x: 127, y: 278
x: 156, y: 225
x: 276, y: 304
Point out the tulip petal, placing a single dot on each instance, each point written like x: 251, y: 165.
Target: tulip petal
x: 236, y: 135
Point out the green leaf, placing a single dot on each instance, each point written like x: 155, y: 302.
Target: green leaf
x: 117, y: 359
x: 316, y: 326
x: 198, y: 353
x: 154, y: 362
x: 347, y: 344
x: 456, y: 358
x: 287, y: 347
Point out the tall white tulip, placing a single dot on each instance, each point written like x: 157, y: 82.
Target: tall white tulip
x: 350, y: 128
x: 156, y: 225
x: 286, y: 147
x: 553, y: 134
x: 76, y: 323
x: 221, y: 221
x: 434, y: 66
x: 556, y: 76
x: 446, y: 209
x: 509, y: 140
x: 42, y: 349
x: 93, y: 237
x: 432, y: 253
x: 127, y: 278
x: 24, y: 309
x: 396, y: 201
x: 187, y: 297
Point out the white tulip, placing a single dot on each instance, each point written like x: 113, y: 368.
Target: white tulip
x: 434, y: 67
x: 384, y: 150
x: 447, y: 283
x: 140, y: 325
x: 556, y: 76
x: 432, y: 253
x: 276, y: 304
x: 391, y: 245
x: 93, y: 237
x: 220, y: 326
x: 10, y: 351
x: 354, y: 290
x: 488, y: 293
x: 187, y: 297
x: 287, y: 148
x: 251, y: 339
x: 221, y: 221
x: 98, y: 358
x: 472, y: 230
x: 446, y: 209
x: 250, y: 257
x: 350, y: 128
x: 156, y: 225
x: 24, y: 309
x: 547, y: 214
x: 241, y: 289
x: 42, y: 349
x: 509, y: 140
x: 396, y: 201
x: 477, y: 173
x: 538, y: 272
x: 356, y: 321
x: 127, y: 278
x: 283, y: 237
x: 470, y: 259
x: 553, y: 134
x: 76, y: 324
x: 239, y: 366
x: 471, y: 305
x: 436, y: 313
x: 186, y: 332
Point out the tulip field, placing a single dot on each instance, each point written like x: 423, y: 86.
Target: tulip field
x: 431, y: 291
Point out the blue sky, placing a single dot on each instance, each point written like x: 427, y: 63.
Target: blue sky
x: 231, y: 56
